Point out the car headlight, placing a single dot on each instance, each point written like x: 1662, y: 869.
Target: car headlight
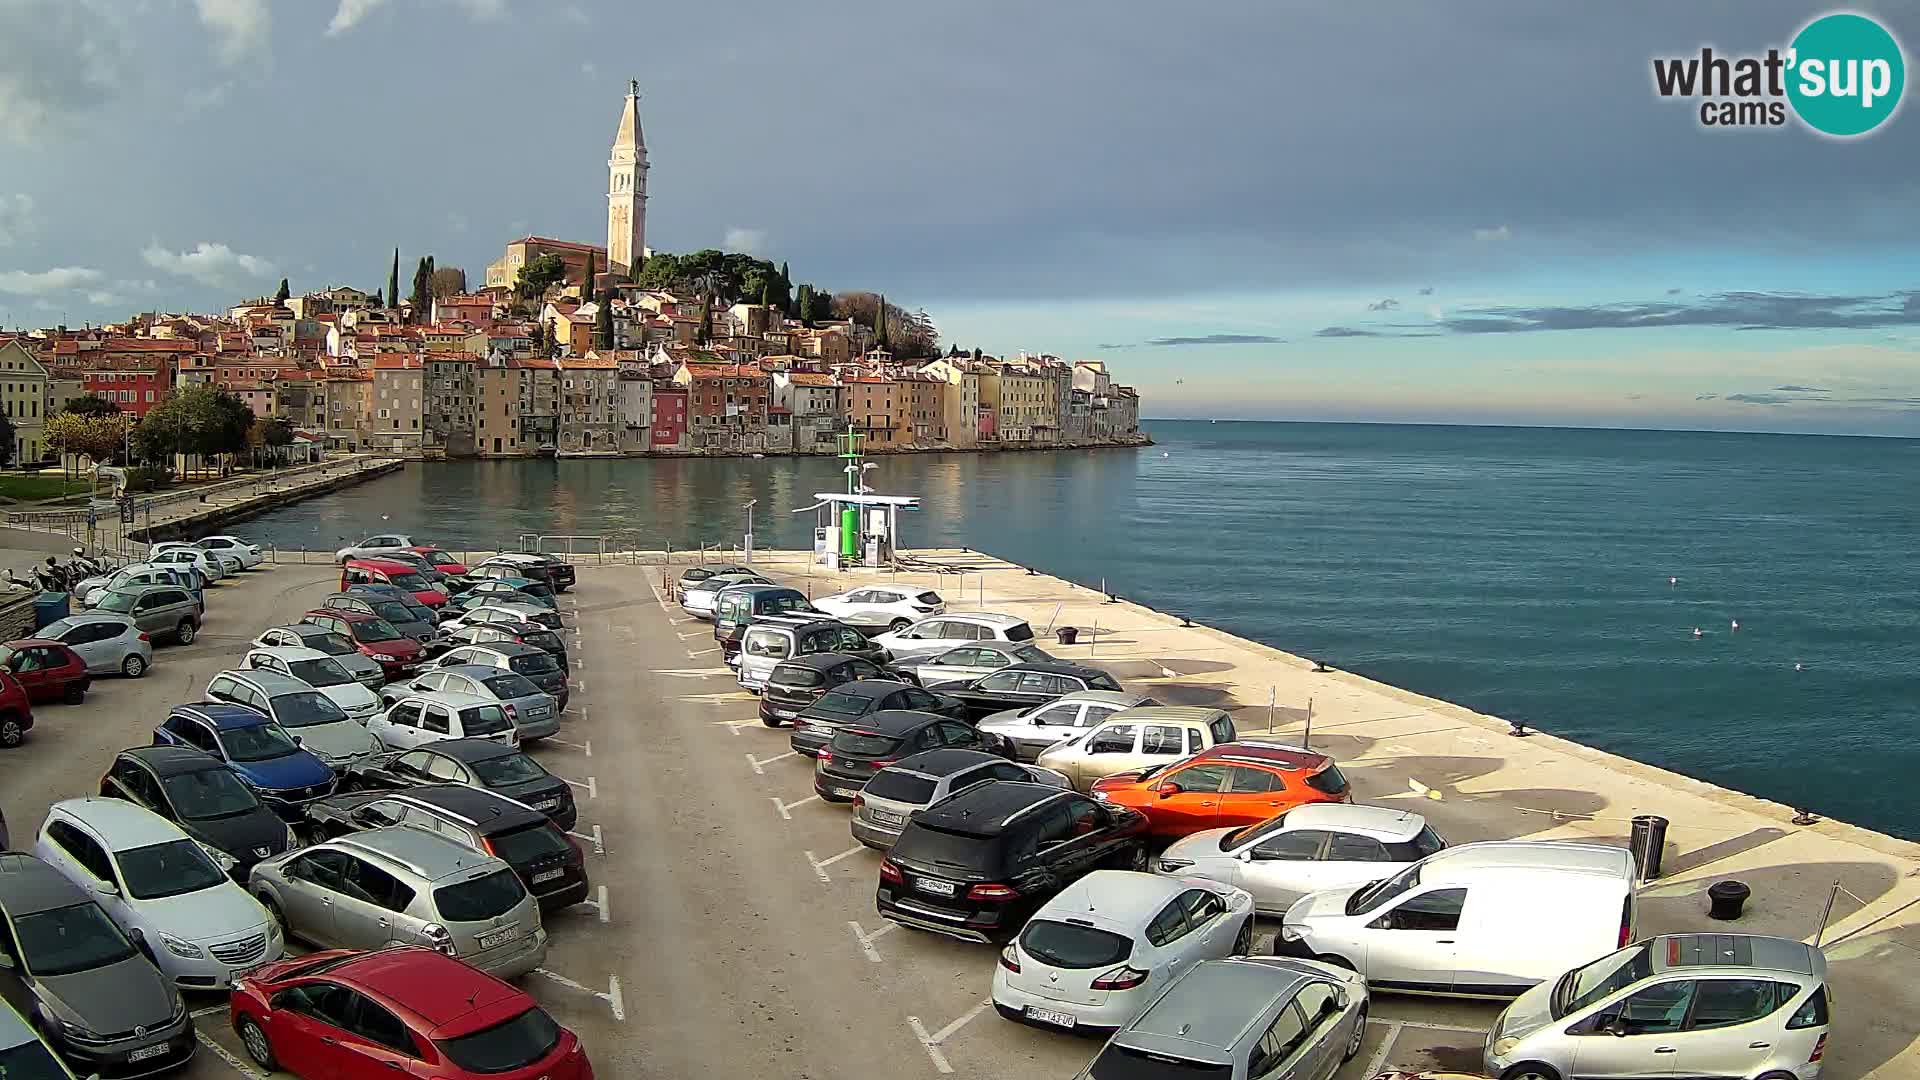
x: 293, y: 839
x: 79, y: 1032
x: 186, y: 949
x: 1292, y: 933
x: 1503, y: 1047
x: 1100, y: 795
x: 221, y: 859
x: 1174, y: 866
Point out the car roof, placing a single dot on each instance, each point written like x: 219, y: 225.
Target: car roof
x: 1125, y: 699
x: 173, y: 760
x: 942, y: 762
x: 437, y: 988
x: 986, y: 809
x: 28, y: 642
x: 385, y: 566
x: 1057, y: 667
x: 430, y: 854
x: 1380, y: 822
x: 142, y: 590
x: 222, y: 715
x: 1189, y: 1016
x: 348, y: 614
x: 819, y: 661
x: 1272, y: 755
x: 304, y: 629
x: 471, y: 750
x: 507, y: 648
x: 486, y: 809
x: 894, y: 722
x: 272, y: 682
x: 29, y: 885
x: 870, y: 688
x: 983, y: 618
x: 755, y: 588
x: 119, y: 822
x: 288, y: 652
x: 92, y: 617
x: 476, y: 671
x: 1167, y: 714
x: 1601, y: 861
x: 1736, y: 951
x: 1114, y: 899
x: 453, y: 699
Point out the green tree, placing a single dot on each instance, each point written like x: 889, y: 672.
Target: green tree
x: 786, y: 306
x: 393, y: 280
x: 282, y: 294
x: 539, y: 336
x: 419, y: 297
x: 92, y: 405
x: 6, y: 440
x: 603, y: 322
x: 538, y: 275
x: 587, y: 291
x: 804, y: 303
x: 766, y: 294
x: 880, y: 323
x: 448, y: 281
x: 706, y: 320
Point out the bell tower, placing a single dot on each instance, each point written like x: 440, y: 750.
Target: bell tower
x: 627, y: 188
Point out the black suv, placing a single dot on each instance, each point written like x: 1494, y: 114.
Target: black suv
x: 549, y: 864
x: 208, y: 800
x: 851, y: 702
x: 883, y: 738
x: 479, y: 763
x: 799, y: 682
x: 977, y: 865
x: 1023, y: 685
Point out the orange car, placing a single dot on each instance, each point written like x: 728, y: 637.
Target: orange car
x: 1230, y: 785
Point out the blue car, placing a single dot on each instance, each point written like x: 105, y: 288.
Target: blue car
x: 269, y: 760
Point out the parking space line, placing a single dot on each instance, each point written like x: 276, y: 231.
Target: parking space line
x: 684, y: 637
x: 733, y: 726
x: 585, y: 747
x: 599, y: 845
x: 866, y: 940
x: 208, y: 1011
x: 612, y: 996
x: 786, y: 808
x: 695, y: 654
x: 759, y: 765
x: 233, y: 1061
x: 820, y: 867
x: 1422, y: 1025
x: 1379, y: 1059
x: 932, y: 1042
x: 593, y: 789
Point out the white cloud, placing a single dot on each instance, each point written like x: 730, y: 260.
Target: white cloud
x: 215, y: 265
x: 102, y: 298
x: 16, y: 218
x: 1488, y: 236
x: 483, y: 9
x: 58, y: 58
x: 58, y: 279
x: 349, y: 15
x: 746, y: 241
x: 207, y: 98
x: 241, y: 28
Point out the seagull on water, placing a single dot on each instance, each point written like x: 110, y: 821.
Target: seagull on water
x: 1796, y: 665
x: 1736, y: 624
x: 1696, y: 632
x: 1673, y: 581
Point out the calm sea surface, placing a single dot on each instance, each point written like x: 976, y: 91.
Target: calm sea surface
x: 1521, y: 572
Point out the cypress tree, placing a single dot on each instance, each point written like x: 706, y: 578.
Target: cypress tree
x: 603, y: 322
x: 282, y: 294
x: 805, y: 303
x: 766, y: 294
x: 786, y: 286
x: 586, y: 287
x: 393, y: 281
x: 419, y: 293
x: 880, y: 323
x: 706, y: 320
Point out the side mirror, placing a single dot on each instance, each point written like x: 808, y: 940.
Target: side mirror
x: 1341, y: 1000
x: 1617, y: 1029
x: 298, y: 741
x: 1169, y: 789
x: 106, y: 888
x: 1245, y: 856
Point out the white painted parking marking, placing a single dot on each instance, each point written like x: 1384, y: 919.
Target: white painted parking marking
x: 692, y: 673
x: 759, y: 765
x: 684, y: 637
x: 1379, y: 1059
x: 733, y: 726
x: 820, y: 867
x: 720, y: 698
x: 232, y: 1060
x: 932, y: 1042
x: 585, y: 747
x: 592, y: 788
x: 695, y: 654
x: 786, y: 808
x: 612, y: 996
x: 614, y: 999
x: 866, y: 940
x: 208, y: 1011
x: 599, y: 845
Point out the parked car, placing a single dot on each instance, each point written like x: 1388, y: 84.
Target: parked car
x: 229, y: 560
x: 322, y: 727
x: 978, y: 864
x: 247, y: 554
x: 898, y: 791
x: 1478, y: 920
x: 532, y: 711
x: 89, y: 590
x: 440, y: 560
x: 159, y: 610
x: 1025, y: 685
x: 509, y: 583
x: 1138, y: 738
x: 399, y: 886
x: 16, y: 713
x: 795, y: 684
x: 942, y: 632
x: 161, y: 887
x: 418, y: 611
x: 537, y: 665
x: 493, y: 609
x: 434, y: 577
x: 206, y: 563
x: 878, y: 740
x: 735, y: 607
x: 851, y: 703
x: 435, y: 716
x: 964, y: 663
x: 374, y: 547
x: 480, y: 763
x: 1035, y: 729
x: 1246, y: 1018
x: 364, y: 669
x: 519, y: 633
x: 205, y: 797
x: 267, y: 759
x: 770, y: 639
x: 364, y: 571
x: 699, y: 597
x: 396, y: 653
x: 882, y: 607
x: 1232, y: 784
x: 1695, y: 1004
x: 1303, y: 850
x: 47, y: 670
x: 693, y: 574
x: 551, y: 569
x: 489, y: 594
x: 548, y: 861
x: 342, y: 1014
x: 320, y: 671
x: 1096, y: 954
x: 415, y: 620
x: 83, y: 983
x: 110, y: 644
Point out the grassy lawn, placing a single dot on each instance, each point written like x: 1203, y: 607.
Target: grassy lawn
x: 28, y: 487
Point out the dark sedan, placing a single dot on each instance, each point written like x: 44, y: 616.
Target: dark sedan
x: 1024, y: 685
x: 480, y: 763
x: 798, y: 682
x: 208, y: 800
x: 882, y: 739
x: 849, y: 702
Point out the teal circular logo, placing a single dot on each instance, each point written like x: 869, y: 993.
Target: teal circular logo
x: 1847, y: 74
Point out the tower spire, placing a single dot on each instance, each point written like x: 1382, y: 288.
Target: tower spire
x: 627, y: 188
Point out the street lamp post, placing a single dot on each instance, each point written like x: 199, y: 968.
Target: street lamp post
x: 747, y: 547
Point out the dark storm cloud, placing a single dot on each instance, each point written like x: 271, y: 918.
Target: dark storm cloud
x: 1735, y: 310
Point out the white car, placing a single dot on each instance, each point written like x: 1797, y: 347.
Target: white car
x: 1035, y: 729
x: 323, y: 673
x: 1312, y: 847
x: 132, y: 576
x: 702, y: 596
x: 374, y: 545
x: 204, y: 561
x: 169, y: 893
x: 882, y: 606
x: 247, y: 554
x: 943, y: 632
x: 426, y: 716
x: 503, y: 611
x: 1098, y: 953
x: 228, y: 562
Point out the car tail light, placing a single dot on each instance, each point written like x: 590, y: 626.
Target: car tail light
x: 890, y: 872
x: 486, y: 845
x: 1819, y: 1048
x: 858, y: 800
x: 1120, y: 978
x: 992, y: 892
x: 144, y: 637
x: 1010, y: 959
x: 884, y: 763
x: 512, y: 713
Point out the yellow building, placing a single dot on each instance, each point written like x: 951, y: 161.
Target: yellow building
x: 23, y: 396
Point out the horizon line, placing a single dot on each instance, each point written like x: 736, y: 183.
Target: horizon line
x: 1524, y: 427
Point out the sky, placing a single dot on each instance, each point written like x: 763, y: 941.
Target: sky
x: 1470, y: 212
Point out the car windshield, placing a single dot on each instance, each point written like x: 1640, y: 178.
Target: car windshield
x: 513, y: 1044
x: 331, y: 644
x: 838, y: 704
x: 693, y: 574
x: 1382, y: 891
x: 61, y: 941
x: 511, y: 769
x: 306, y: 708
x: 1249, y: 833
x: 864, y: 744
x: 1328, y: 781
x: 174, y: 868
x: 327, y: 672
x: 1581, y: 987
x: 898, y: 785
x: 1103, y: 681
x: 208, y: 793
x: 439, y: 558
x: 31, y: 1060
x: 542, y: 639
x: 1030, y: 654
x: 409, y: 581
x: 1022, y: 632
x: 1118, y: 1062
x: 393, y: 611
x: 480, y: 898
x: 117, y: 602
x: 962, y: 851
x: 369, y: 631
x: 528, y: 843
x: 537, y: 663
x: 795, y: 675
x: 257, y: 742
x: 508, y: 685
x: 1069, y: 945
x: 484, y: 720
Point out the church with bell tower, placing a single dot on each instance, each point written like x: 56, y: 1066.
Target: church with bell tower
x: 627, y: 189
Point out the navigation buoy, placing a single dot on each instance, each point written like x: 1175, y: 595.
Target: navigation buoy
x: 1696, y: 632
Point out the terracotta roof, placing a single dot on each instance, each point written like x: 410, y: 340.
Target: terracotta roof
x: 394, y: 362
x: 811, y: 378
x: 568, y: 245
x: 587, y: 363
x: 451, y: 358
x: 705, y: 372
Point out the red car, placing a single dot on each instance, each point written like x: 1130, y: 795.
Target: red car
x: 440, y: 560
x: 49, y: 670
x: 402, y: 1012
x: 1233, y: 784
x: 388, y: 572
x: 16, y: 712
x: 375, y: 637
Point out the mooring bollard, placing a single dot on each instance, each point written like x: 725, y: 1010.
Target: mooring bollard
x: 1726, y: 899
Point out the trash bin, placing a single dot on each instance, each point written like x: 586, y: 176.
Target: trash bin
x: 50, y: 607
x: 1649, y: 841
x: 1067, y: 634
x: 1726, y: 898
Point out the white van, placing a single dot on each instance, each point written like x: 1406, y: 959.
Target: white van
x: 1478, y: 920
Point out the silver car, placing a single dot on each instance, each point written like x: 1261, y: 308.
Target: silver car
x: 109, y: 643
x: 700, y: 597
x: 405, y: 886
x: 157, y: 609
x: 533, y: 712
x: 364, y: 669
x: 1247, y: 1018
x: 965, y: 663
x: 1038, y: 728
x: 322, y: 727
x: 917, y: 781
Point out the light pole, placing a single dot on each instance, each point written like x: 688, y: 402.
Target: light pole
x: 748, y: 546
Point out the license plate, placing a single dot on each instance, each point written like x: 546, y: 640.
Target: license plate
x: 937, y: 888
x: 145, y: 1052
x: 845, y: 793
x: 1048, y: 1016
x: 498, y: 937
x: 881, y: 817
x: 547, y: 804
x: 548, y: 875
x: 785, y: 714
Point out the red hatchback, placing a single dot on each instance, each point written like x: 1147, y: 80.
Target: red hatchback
x: 441, y: 561
x: 16, y: 712
x: 49, y: 670
x: 404, y: 1012
x: 375, y: 637
x: 388, y: 572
